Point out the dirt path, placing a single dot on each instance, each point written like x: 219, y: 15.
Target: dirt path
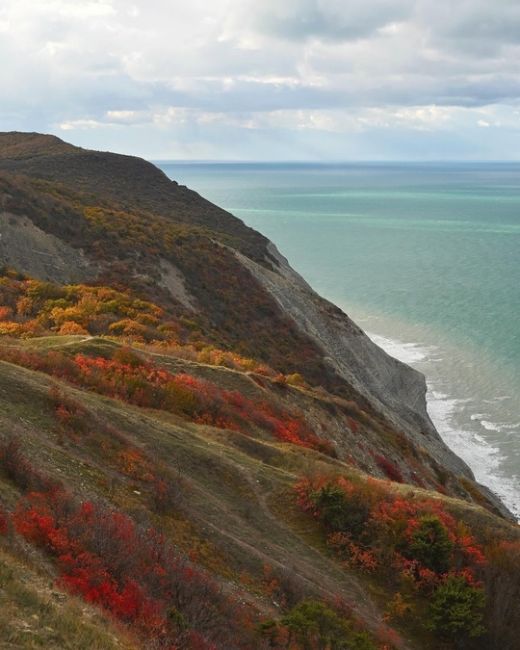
x: 320, y: 575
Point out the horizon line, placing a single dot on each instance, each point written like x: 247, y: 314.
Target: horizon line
x: 410, y: 161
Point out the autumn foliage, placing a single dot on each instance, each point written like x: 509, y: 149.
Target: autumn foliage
x: 389, y: 468
x: 31, y: 308
x: 128, y: 378
x: 418, y: 549
x: 131, y: 572
x: 139, y: 578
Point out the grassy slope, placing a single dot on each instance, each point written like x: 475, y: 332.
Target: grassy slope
x: 34, y: 614
x: 237, y: 512
x: 230, y: 477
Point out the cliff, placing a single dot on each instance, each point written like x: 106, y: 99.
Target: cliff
x: 347, y: 358
x: 163, y: 360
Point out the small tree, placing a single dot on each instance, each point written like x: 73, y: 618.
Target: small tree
x: 338, y: 512
x: 430, y: 544
x: 314, y: 625
x: 456, y: 610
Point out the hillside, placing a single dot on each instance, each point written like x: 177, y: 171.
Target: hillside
x: 203, y: 451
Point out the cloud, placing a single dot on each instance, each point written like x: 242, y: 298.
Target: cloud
x: 329, y: 20
x: 172, y: 69
x: 476, y: 26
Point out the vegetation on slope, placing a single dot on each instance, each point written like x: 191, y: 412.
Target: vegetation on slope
x: 32, y: 308
x: 96, y: 547
x: 133, y: 478
x: 126, y: 247
x: 190, y: 473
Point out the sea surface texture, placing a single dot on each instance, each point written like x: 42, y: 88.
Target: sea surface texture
x: 426, y: 258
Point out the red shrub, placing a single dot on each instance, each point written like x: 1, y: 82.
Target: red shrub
x: 370, y: 526
x: 389, y: 468
x: 131, y: 572
x: 143, y: 384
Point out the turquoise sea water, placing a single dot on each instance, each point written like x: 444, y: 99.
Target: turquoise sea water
x: 426, y: 258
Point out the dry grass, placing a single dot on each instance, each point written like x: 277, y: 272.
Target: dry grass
x: 35, y: 615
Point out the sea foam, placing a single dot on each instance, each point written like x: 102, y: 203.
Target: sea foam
x: 484, y: 458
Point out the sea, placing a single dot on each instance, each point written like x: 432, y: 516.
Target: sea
x: 425, y: 257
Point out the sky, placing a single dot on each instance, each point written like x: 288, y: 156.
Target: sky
x: 266, y: 79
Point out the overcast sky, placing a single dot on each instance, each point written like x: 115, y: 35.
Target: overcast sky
x: 266, y: 79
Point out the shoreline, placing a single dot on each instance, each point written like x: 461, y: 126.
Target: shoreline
x: 444, y: 407
x: 336, y: 228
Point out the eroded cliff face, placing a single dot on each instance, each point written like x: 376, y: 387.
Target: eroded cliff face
x: 25, y: 247
x: 394, y: 389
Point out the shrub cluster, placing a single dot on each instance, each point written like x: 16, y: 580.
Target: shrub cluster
x: 131, y: 572
x: 429, y: 560
x: 138, y: 577
x: 146, y: 385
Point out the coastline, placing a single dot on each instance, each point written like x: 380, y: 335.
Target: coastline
x: 446, y: 410
x: 458, y: 341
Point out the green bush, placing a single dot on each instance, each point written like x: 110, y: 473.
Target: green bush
x: 456, y: 609
x: 339, y: 513
x: 312, y: 624
x: 430, y: 545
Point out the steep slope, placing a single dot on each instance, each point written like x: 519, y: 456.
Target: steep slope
x: 176, y: 400
x: 127, y: 182
x: 225, y: 497
x: 393, y: 389
x: 294, y: 329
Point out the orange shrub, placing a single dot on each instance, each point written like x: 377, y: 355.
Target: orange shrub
x: 71, y: 327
